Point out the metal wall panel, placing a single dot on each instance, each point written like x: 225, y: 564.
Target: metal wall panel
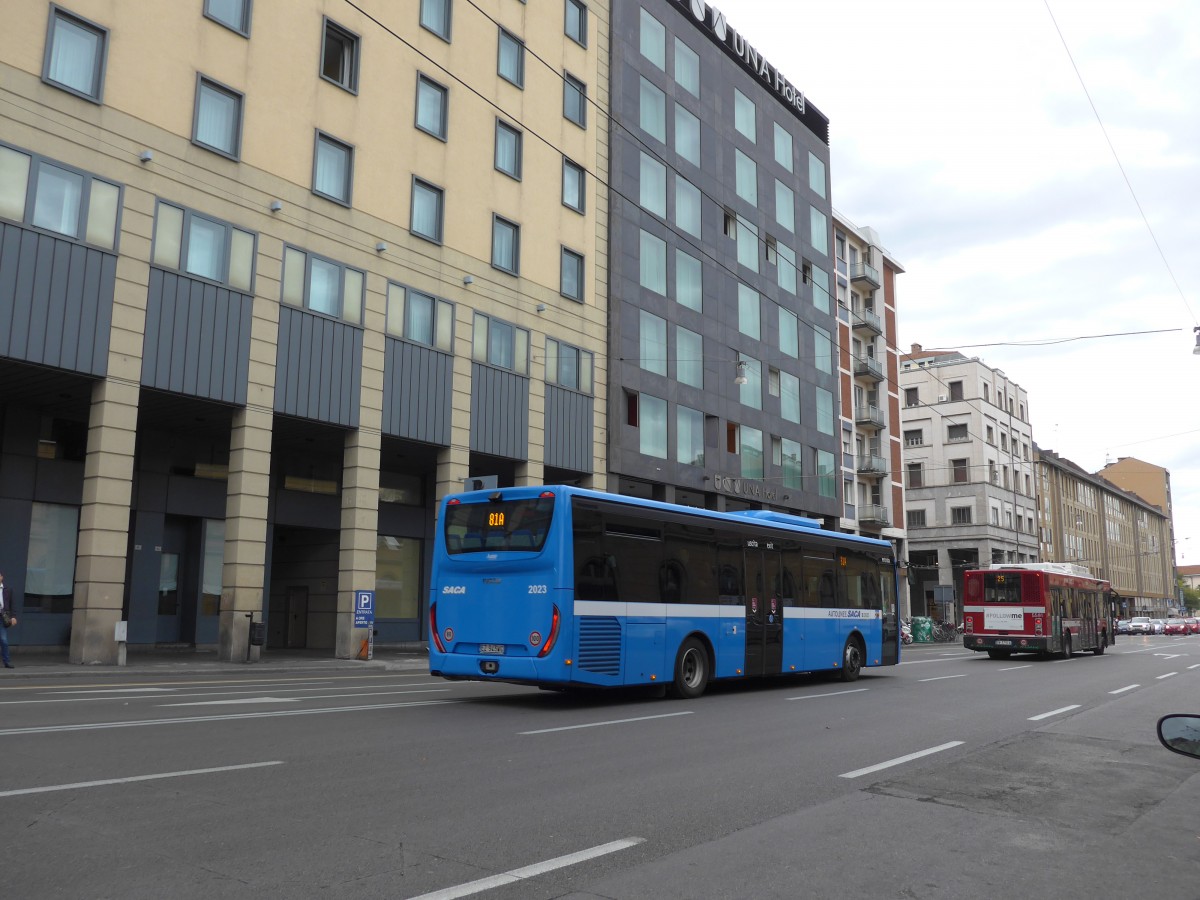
x: 318, y: 370
x: 417, y: 386
x: 570, y: 422
x: 56, y: 299
x: 499, y: 412
x: 197, y: 338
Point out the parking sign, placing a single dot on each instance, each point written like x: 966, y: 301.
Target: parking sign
x: 364, y: 609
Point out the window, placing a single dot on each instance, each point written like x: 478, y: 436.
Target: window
x: 957, y: 433
x: 575, y: 100
x: 652, y: 185
x: 789, y: 459
x: 75, y: 51
x: 744, y: 115
x: 820, y: 281
x: 207, y: 248
x: 435, y: 17
x: 689, y: 286
x: 914, y: 438
x: 785, y: 206
x: 508, y: 150
x: 750, y: 393
x: 50, y: 563
x: 66, y: 201
x: 652, y: 343
x: 912, y: 397
x: 576, y: 22
x: 816, y: 175
x: 432, y: 103
x: 419, y: 317
x: 789, y: 397
x: 687, y: 206
x: 653, y: 40
x: 506, y: 245
x: 652, y: 110
x: 747, y: 243
x: 752, y: 452
x: 687, y: 135
x: 748, y: 311
x: 960, y: 515
x: 916, y: 474
x: 427, y: 205
x: 783, y: 146
x: 339, y: 57
x: 785, y: 271
x: 819, y: 226
x: 500, y: 344
x: 652, y: 426
x: 510, y: 59
x: 958, y: 469
x: 333, y: 169
x: 653, y: 263
x: 573, y: 180
x: 322, y: 285
x: 956, y: 390
x: 689, y: 436
x: 746, y: 178
x: 689, y: 357
x: 217, y: 124
x: 571, y: 275
x: 568, y: 366
x: 915, y: 518
x: 826, y: 475
x: 822, y: 349
x: 233, y: 14
x: 789, y: 333
x: 824, y: 411
x: 687, y: 68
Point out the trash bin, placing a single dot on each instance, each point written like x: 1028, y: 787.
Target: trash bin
x: 922, y: 629
x: 258, y: 634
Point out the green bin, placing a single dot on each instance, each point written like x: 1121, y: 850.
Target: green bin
x: 922, y: 629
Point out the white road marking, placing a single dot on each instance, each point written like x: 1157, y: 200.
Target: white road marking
x: 1053, y: 712
x: 1196, y: 666
x: 515, y: 875
x: 944, y: 677
x: 610, y: 722
x: 239, y: 700
x: 231, y: 717
x: 1128, y: 687
x: 901, y: 759
x: 1168, y: 675
x: 96, y: 691
x: 440, y: 690
x: 1014, y: 668
x: 133, y: 778
x: 834, y: 694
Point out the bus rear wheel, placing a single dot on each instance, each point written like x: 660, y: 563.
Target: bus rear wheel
x: 1066, y: 651
x: 1099, y: 648
x: 691, y: 670
x: 852, y: 660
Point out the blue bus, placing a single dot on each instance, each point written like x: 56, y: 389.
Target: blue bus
x: 564, y: 587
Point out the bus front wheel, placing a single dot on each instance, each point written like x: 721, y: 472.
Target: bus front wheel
x: 691, y: 670
x: 852, y: 660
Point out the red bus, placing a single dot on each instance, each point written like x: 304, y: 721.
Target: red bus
x: 1037, y: 608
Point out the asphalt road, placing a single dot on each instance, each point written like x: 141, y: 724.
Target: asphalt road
x: 950, y: 776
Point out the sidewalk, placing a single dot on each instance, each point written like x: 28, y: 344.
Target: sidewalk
x: 43, y: 662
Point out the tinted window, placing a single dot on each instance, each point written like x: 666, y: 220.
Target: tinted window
x: 518, y: 526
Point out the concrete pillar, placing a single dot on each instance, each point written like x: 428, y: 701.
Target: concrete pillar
x: 359, y: 535
x: 533, y: 470
x: 104, y: 522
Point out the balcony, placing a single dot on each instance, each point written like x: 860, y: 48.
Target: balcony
x: 868, y: 367
x: 866, y: 321
x: 873, y: 514
x: 861, y: 273
x: 868, y: 415
x: 871, y: 465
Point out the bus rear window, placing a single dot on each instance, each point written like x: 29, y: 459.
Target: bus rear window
x: 516, y: 526
x: 1002, y: 587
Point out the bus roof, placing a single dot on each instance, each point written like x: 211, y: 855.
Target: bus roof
x: 1055, y: 568
x: 783, y: 520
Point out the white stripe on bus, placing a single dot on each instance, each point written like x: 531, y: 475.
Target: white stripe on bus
x: 712, y: 611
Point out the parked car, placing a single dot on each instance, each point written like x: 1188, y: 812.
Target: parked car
x: 1158, y: 626
x: 1140, y: 625
x: 1176, y: 626
x: 1193, y: 625
x: 1122, y: 626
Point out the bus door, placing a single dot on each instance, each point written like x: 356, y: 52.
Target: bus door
x: 764, y: 609
x: 1085, y: 608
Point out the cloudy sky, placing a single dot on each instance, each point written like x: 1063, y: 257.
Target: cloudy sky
x: 961, y: 132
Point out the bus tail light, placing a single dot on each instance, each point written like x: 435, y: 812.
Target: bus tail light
x: 433, y: 632
x: 1037, y: 624
x: 553, y: 638
x: 969, y: 625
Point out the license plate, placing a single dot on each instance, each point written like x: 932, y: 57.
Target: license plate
x: 495, y: 649
x: 1003, y: 643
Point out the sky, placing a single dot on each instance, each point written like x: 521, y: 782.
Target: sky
x: 1020, y: 209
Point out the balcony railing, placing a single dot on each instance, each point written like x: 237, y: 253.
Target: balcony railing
x: 873, y: 514
x: 871, y: 465
x: 866, y: 321
x: 868, y: 415
x: 868, y: 367
x: 861, y: 273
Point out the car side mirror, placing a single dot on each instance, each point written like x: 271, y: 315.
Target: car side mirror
x: 1180, y: 734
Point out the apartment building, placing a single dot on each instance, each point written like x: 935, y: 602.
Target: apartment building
x: 1119, y: 536
x: 723, y: 380
x: 969, y: 473
x: 274, y: 277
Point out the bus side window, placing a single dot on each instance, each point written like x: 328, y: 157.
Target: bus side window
x: 672, y: 581
x: 595, y: 581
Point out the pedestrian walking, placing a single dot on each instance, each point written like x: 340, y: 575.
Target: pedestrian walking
x: 7, y: 621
